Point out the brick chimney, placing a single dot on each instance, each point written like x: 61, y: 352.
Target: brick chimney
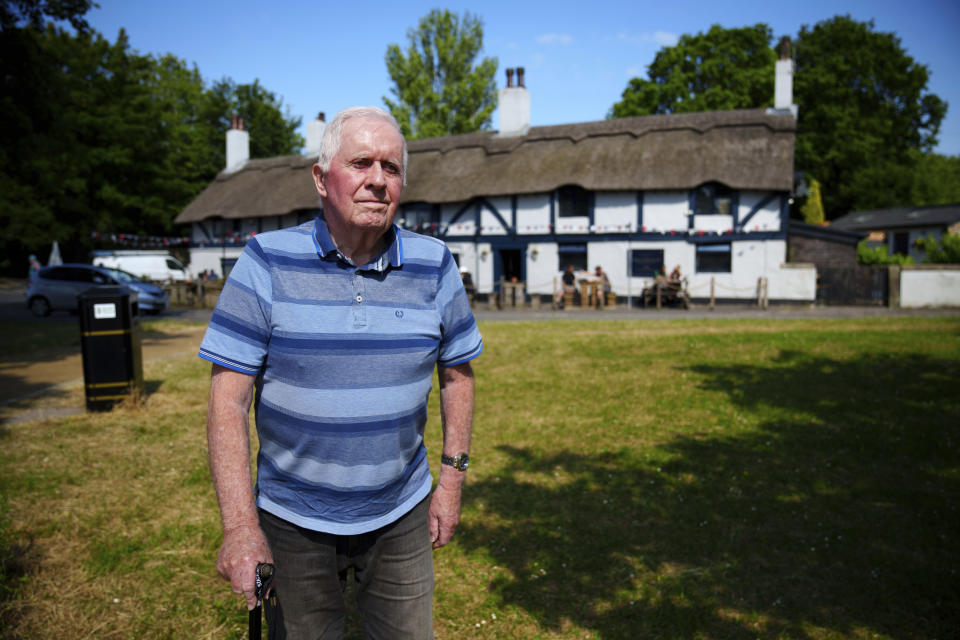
x: 315, y: 129
x: 238, y: 145
x: 514, y: 106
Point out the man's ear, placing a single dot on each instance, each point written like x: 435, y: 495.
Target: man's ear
x: 318, y: 180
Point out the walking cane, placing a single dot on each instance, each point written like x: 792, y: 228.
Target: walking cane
x: 264, y: 578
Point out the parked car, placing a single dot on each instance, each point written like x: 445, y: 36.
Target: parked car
x: 56, y: 288
x: 158, y: 266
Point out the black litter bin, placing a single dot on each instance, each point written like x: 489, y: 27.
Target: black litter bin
x: 110, y: 340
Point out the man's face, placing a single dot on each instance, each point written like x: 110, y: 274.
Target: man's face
x: 362, y: 188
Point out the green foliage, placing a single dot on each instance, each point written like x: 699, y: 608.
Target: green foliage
x: 37, y: 13
x: 865, y: 112
x: 936, y: 180
x: 812, y: 208
x: 439, y: 90
x: 946, y: 251
x: 879, y: 256
x: 717, y: 70
x: 866, y: 120
x: 104, y: 139
x: 272, y: 130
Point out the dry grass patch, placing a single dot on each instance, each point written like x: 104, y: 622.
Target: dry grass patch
x: 725, y: 479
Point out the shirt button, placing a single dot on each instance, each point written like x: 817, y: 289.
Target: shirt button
x: 359, y: 298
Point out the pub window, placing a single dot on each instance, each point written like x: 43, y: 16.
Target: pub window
x: 713, y: 258
x: 572, y: 253
x: 713, y: 198
x: 644, y: 263
x: 573, y: 201
x: 420, y: 217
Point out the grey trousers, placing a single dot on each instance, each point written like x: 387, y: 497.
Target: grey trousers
x: 393, y: 567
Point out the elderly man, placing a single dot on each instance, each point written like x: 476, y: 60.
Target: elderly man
x: 337, y: 325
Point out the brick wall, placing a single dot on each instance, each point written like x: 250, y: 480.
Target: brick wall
x: 821, y: 252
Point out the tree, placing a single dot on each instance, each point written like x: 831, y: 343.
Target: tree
x: 439, y: 89
x: 718, y: 70
x: 272, y: 130
x: 37, y: 13
x: 865, y: 116
x: 865, y: 113
x: 812, y: 208
x: 97, y: 137
x: 936, y: 180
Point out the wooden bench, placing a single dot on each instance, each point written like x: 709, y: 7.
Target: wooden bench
x: 666, y: 293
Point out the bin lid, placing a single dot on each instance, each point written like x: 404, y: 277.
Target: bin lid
x: 106, y: 291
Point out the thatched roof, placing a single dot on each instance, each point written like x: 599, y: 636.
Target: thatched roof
x: 746, y: 149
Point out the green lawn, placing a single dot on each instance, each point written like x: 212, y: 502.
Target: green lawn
x: 684, y: 479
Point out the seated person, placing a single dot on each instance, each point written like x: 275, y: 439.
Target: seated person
x: 676, y: 275
x: 603, y: 285
x: 568, y: 285
x: 661, y: 276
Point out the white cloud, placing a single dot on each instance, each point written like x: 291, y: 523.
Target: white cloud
x: 662, y: 38
x: 665, y: 38
x: 554, y: 38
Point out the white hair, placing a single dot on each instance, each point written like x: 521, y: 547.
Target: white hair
x: 330, y: 144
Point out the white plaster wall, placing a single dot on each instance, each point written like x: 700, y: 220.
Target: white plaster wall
x: 713, y: 223
x: 484, y: 274
x: 202, y: 258
x: 615, y: 211
x: 533, y: 214
x: 665, y: 210
x: 796, y: 282
x: 468, y: 256
x: 465, y: 226
x: 929, y: 288
x: 573, y: 224
x: 542, y: 261
x: 766, y: 219
x: 490, y: 225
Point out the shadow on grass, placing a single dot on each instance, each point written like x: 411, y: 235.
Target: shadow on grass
x: 836, y: 516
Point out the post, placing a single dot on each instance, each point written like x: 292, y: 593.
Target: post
x: 659, y: 287
x: 712, y: 296
x: 893, y: 286
x: 760, y: 292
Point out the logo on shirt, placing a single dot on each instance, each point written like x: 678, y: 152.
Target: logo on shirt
x: 399, y: 314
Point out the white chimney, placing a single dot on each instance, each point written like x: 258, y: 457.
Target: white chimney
x: 514, y: 106
x: 315, y: 129
x: 238, y: 145
x: 783, y: 84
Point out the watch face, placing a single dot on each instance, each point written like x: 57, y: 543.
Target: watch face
x: 464, y: 461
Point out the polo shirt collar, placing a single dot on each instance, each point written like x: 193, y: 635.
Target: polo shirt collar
x: 392, y: 256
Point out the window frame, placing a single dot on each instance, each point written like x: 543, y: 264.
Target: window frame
x: 703, y: 250
x: 573, y: 201
x: 644, y: 274
x: 713, y: 193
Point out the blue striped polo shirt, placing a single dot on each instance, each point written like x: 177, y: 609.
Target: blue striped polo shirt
x: 344, y: 359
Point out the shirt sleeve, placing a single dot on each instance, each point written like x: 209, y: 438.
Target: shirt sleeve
x: 461, y: 340
x: 239, y: 329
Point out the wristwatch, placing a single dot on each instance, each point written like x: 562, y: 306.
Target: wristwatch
x: 460, y: 462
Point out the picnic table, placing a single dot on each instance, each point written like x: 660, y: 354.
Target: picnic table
x: 667, y: 292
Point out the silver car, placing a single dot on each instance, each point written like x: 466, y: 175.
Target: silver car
x: 56, y: 288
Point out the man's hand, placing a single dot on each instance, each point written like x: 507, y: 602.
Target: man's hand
x: 242, y: 549
x: 444, y: 513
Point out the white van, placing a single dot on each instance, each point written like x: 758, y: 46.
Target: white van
x: 153, y: 265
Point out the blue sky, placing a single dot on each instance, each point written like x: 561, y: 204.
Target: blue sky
x: 325, y: 56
